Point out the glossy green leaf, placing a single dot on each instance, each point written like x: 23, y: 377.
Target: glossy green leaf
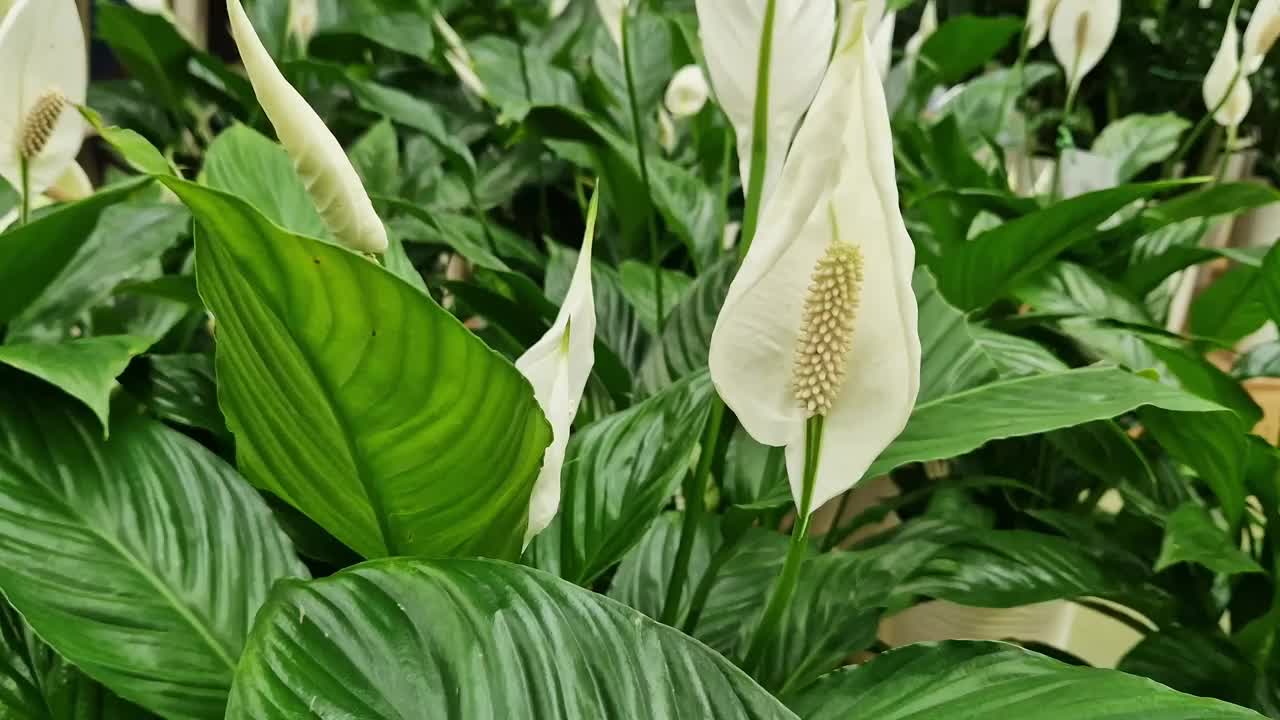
x: 955, y: 424
x: 985, y: 269
x: 149, y: 47
x: 85, y: 369
x: 1065, y: 288
x: 1136, y: 142
x: 965, y: 43
x: 686, y: 340
x: 136, y: 151
x: 1191, y: 661
x: 755, y: 475
x: 1210, y: 201
x: 465, y: 639
x: 403, y: 25
x: 376, y: 157
x: 618, y: 474
x: 646, y: 571
x: 1232, y: 307
x: 126, y: 237
x: 953, y: 360
x: 358, y: 400
x: 243, y: 162
x: 183, y: 389
x: 141, y: 559
x: 640, y: 288
x: 1214, y: 444
x: 987, y: 680
x: 1191, y: 536
x: 32, y: 255
x: 1016, y: 356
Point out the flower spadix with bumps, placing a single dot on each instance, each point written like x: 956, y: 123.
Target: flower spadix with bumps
x: 821, y: 321
x: 330, y: 179
x: 43, y: 73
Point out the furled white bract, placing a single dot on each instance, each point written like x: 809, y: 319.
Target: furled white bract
x: 688, y: 92
x: 928, y: 26
x: 838, y: 190
x: 459, y: 58
x: 1039, y: 15
x: 304, y: 18
x: 42, y: 57
x: 329, y: 176
x: 882, y: 43
x: 1081, y: 33
x: 668, y: 137
x: 1226, y: 89
x: 153, y: 7
x: 731, y: 31
x: 1261, y: 34
x: 558, y: 367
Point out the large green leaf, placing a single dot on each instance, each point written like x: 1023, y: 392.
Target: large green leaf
x: 618, y: 474
x: 686, y: 339
x: 1232, y: 307
x: 955, y: 424
x: 1214, y: 444
x: 403, y: 25
x: 978, y: 681
x: 953, y: 360
x: 640, y: 286
x: 243, y: 162
x: 647, y: 569
x: 141, y: 559
x: 985, y: 269
x: 1192, y: 661
x: 467, y: 639
x: 127, y: 235
x: 1065, y: 288
x: 963, y: 44
x: 1192, y: 537
x: 1139, y: 141
x: 85, y: 369
x: 358, y: 400
x: 32, y: 255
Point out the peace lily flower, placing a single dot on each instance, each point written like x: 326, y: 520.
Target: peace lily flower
x: 44, y: 71
x: 153, y: 7
x: 882, y: 43
x: 459, y: 58
x: 557, y: 8
x: 304, y: 18
x: 667, y: 135
x: 928, y: 26
x: 558, y: 367
x: 331, y: 181
x: 688, y: 92
x: 611, y: 12
x: 1261, y: 34
x: 1039, y: 16
x: 802, y: 35
x: 1226, y: 89
x: 820, y: 324
x: 1080, y: 35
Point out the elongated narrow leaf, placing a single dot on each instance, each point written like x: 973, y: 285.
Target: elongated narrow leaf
x: 1200, y: 662
x: 358, y: 400
x: 466, y: 639
x: 141, y: 559
x: 1192, y: 537
x: 1213, y: 444
x: 84, y: 369
x: 1138, y: 141
x: 686, y: 338
x: 618, y: 474
x: 32, y: 255
x: 956, y: 424
x: 963, y: 44
x: 953, y: 360
x: 979, y: 680
x: 983, y: 270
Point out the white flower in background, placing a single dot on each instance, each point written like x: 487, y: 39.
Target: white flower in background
x: 732, y: 233
x: 1085, y: 172
x: 304, y: 18
x: 803, y: 33
x: 558, y: 367
x: 821, y: 319
x: 44, y: 73
x: 1226, y: 89
x: 1039, y: 16
x: 460, y: 58
x: 688, y: 92
x: 557, y: 8
x: 668, y: 138
x: 330, y: 179
x: 72, y: 185
x: 1081, y: 33
x: 1261, y: 34
x: 882, y: 43
x: 928, y: 26
x: 1206, y: 4
x: 611, y: 12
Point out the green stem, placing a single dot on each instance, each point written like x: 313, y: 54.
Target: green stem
x: 1227, y: 152
x: 643, y: 159
x: 695, y: 485
x: 24, y: 213
x: 785, y: 588
x: 759, y: 134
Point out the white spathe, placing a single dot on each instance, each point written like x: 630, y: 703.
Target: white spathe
x: 558, y: 366
x: 1039, y: 15
x: 74, y: 184
x: 1226, y: 88
x: 1261, y: 34
x: 731, y: 31
x: 882, y: 43
x: 330, y: 179
x: 928, y: 26
x: 304, y: 18
x: 557, y: 8
x: 688, y: 92
x: 153, y: 7
x: 42, y: 50
x: 459, y: 58
x: 1081, y: 33
x: 839, y: 184
x: 668, y: 137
